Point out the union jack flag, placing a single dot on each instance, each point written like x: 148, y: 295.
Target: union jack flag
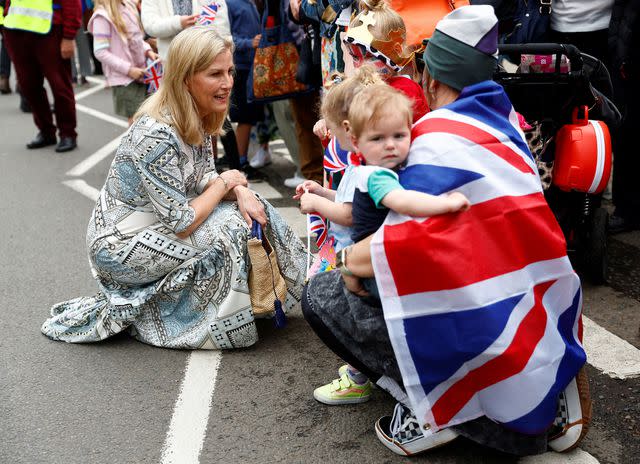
x: 153, y: 75
x: 336, y: 160
x: 208, y: 14
x: 483, y: 307
x: 318, y: 227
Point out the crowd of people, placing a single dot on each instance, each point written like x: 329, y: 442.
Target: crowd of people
x: 438, y: 298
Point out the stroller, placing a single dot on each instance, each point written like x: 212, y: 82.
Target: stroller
x: 552, y: 100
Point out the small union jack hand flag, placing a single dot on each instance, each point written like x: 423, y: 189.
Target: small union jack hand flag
x: 153, y: 75
x: 208, y: 14
x: 318, y: 227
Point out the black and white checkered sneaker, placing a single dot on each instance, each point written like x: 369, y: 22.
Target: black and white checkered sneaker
x: 573, y: 415
x: 401, y: 433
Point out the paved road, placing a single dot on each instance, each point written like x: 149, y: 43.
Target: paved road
x: 124, y: 402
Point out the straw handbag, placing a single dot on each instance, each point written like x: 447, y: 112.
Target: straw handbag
x: 267, y: 288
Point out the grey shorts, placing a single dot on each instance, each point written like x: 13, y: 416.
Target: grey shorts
x: 128, y: 98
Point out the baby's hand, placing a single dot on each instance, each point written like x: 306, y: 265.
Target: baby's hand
x: 307, y: 201
x: 458, y: 202
x: 320, y: 129
x: 310, y: 186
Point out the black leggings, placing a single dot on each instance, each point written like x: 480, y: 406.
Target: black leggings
x: 230, y: 145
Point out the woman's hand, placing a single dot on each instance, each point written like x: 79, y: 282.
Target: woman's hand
x: 310, y: 186
x: 354, y: 285
x: 153, y: 56
x: 186, y: 21
x: 234, y: 178
x: 250, y: 207
x: 320, y: 129
x: 135, y: 73
x: 256, y: 41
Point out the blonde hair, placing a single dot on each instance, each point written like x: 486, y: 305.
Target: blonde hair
x: 112, y: 7
x: 336, y: 101
x: 372, y: 104
x: 191, y: 51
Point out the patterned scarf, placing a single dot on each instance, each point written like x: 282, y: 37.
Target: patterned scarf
x: 182, y: 7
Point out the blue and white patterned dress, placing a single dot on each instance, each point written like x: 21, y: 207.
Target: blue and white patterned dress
x: 169, y: 292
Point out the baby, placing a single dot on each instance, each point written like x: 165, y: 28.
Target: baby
x: 379, y: 129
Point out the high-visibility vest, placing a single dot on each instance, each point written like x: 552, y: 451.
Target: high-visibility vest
x: 30, y: 15
x: 1, y: 15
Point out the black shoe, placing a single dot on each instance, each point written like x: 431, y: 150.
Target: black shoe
x: 66, y: 144
x: 42, y: 141
x: 618, y: 224
x: 401, y: 433
x: 5, y: 88
x: 24, y: 106
x: 252, y: 174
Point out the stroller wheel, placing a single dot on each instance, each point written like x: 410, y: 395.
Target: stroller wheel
x: 596, y: 259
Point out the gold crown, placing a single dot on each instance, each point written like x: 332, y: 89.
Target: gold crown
x: 391, y: 49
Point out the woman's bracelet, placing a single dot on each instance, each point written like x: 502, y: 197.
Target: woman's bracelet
x: 226, y: 185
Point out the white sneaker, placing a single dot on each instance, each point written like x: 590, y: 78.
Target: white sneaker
x: 401, y: 433
x: 573, y: 416
x: 293, y: 182
x: 261, y: 158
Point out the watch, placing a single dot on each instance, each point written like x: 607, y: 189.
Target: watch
x: 341, y: 262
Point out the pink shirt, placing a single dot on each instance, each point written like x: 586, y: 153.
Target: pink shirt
x: 116, y: 54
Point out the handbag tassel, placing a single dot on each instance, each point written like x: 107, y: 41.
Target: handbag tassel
x: 280, y: 321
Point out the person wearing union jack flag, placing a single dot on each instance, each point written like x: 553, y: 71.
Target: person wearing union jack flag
x: 477, y: 331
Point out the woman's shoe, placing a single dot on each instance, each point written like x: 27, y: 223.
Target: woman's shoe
x: 401, y: 433
x: 261, y: 158
x: 293, y: 182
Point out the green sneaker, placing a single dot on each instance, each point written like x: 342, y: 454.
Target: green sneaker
x: 343, y: 391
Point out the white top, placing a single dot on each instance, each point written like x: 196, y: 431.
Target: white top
x: 345, y: 17
x: 580, y: 15
x: 158, y: 20
x: 344, y: 194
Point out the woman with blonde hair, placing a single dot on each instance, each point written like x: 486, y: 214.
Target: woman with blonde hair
x: 167, y: 237
x: 119, y: 45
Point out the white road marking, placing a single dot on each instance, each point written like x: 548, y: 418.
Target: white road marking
x: 85, y: 93
x: 191, y: 413
x: 576, y: 456
x: 609, y: 353
x: 264, y: 189
x: 101, y: 115
x: 95, y: 80
x: 89, y: 162
x: 83, y: 188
